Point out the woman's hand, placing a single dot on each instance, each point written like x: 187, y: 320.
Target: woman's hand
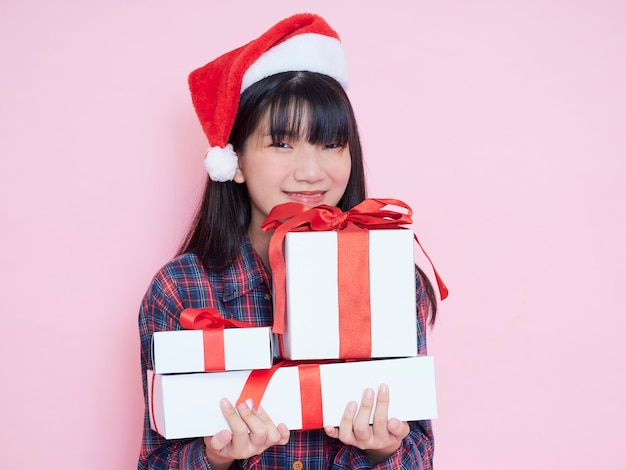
x: 252, y: 433
x: 380, y: 439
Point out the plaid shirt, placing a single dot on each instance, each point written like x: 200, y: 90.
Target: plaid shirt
x: 242, y: 291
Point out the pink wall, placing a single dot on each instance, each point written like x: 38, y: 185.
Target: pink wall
x: 501, y: 123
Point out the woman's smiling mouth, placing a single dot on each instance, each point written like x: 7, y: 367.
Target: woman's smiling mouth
x: 309, y: 198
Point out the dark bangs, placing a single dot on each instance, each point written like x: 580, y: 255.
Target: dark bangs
x: 303, y: 105
x: 313, y: 113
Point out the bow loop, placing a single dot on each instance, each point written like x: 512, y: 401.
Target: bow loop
x: 207, y: 319
x: 371, y: 213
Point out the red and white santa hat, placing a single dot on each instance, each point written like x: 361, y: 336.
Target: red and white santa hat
x: 303, y: 42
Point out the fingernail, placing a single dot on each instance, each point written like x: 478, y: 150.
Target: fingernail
x: 383, y: 390
x: 242, y: 406
x: 351, y: 406
x: 258, y: 410
x: 368, y: 393
x: 225, y: 403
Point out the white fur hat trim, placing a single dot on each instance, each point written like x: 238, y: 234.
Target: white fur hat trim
x: 221, y: 163
x: 310, y: 52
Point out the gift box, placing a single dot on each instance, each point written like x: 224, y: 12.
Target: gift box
x: 344, y: 282
x: 340, y: 306
x: 305, y: 396
x: 211, y: 343
x: 192, y: 351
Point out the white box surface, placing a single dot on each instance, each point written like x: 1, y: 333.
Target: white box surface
x: 187, y: 405
x: 312, y: 307
x: 183, y: 351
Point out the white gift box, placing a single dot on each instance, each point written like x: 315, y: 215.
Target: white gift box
x: 187, y: 405
x: 183, y: 351
x: 312, y: 295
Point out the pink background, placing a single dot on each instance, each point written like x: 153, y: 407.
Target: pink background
x: 502, y: 123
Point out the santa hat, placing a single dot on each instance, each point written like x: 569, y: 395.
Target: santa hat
x: 303, y: 42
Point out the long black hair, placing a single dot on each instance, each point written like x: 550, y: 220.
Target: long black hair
x: 223, y: 217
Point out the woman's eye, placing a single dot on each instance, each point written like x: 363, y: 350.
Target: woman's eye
x: 280, y: 145
x: 332, y: 146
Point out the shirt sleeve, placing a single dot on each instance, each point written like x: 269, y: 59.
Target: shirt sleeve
x: 415, y: 453
x: 159, y: 311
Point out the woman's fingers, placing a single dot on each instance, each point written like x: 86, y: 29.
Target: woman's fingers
x: 260, y: 429
x: 332, y: 431
x: 398, y: 429
x: 252, y: 432
x: 362, y: 430
x: 283, y: 430
x: 369, y: 426
x: 219, y: 442
x: 272, y: 434
x: 237, y: 425
x: 379, y: 423
x: 345, y: 432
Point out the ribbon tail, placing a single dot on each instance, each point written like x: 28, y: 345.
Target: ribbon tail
x: 443, y: 290
x: 277, y: 264
x: 256, y: 384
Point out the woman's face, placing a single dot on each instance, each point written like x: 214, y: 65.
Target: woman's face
x: 292, y: 170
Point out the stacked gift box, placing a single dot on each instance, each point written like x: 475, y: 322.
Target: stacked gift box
x: 344, y: 320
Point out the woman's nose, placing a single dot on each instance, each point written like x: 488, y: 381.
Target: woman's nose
x: 308, y: 165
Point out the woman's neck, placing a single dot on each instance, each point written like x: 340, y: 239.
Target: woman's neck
x: 260, y: 242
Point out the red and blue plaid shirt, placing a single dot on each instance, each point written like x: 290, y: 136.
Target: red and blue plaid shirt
x: 242, y: 291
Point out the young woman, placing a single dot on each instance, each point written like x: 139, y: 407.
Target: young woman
x: 282, y: 130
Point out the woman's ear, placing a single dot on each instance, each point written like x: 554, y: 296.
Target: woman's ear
x: 239, y: 178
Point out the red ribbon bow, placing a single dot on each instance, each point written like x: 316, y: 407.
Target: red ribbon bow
x: 212, y: 325
x: 295, y: 217
x: 208, y: 318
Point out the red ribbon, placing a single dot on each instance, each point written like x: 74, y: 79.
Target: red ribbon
x: 310, y: 391
x: 311, y: 396
x: 212, y: 325
x: 355, y: 312
x: 257, y: 383
x: 295, y: 217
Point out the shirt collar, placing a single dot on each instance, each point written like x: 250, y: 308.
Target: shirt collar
x: 246, y: 273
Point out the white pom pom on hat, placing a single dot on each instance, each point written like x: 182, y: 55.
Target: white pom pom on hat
x: 302, y: 42
x: 221, y: 163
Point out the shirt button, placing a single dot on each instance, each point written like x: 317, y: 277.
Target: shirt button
x: 269, y: 297
x: 297, y: 465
